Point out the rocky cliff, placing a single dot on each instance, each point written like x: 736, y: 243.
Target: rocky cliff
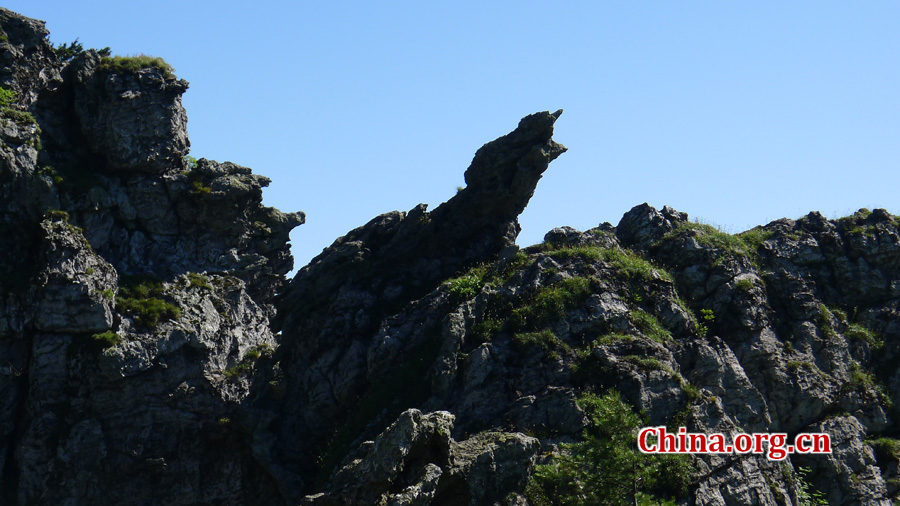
x: 152, y: 351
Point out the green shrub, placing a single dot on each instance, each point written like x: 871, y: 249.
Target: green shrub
x: 712, y: 237
x: 57, y: 214
x: 550, y: 304
x: 199, y: 188
x: 824, y: 320
x: 886, y: 449
x: 148, y: 312
x: 862, y: 333
x: 191, y: 161
x: 807, y: 495
x: 51, y: 173
x: 612, y: 338
x: 486, y: 329
x: 7, y: 97
x: 141, y: 299
x: 133, y: 64
x: 744, y: 285
x: 701, y: 330
x: 545, y: 340
x: 650, y: 326
x: 239, y: 369
x: 198, y: 280
x: 629, y: 263
x: 862, y: 380
x: 753, y: 240
x: 647, y: 363
x: 21, y: 117
x: 465, y: 287
x: 107, y: 339
x: 605, y: 467
x: 66, y: 52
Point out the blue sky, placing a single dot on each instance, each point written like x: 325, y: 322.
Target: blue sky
x: 737, y: 113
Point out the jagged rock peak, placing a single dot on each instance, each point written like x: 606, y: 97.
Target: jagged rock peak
x: 643, y: 225
x: 474, y: 226
x: 337, y: 301
x: 507, y: 170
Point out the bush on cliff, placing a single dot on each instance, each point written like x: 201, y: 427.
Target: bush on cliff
x: 132, y: 64
x: 605, y: 467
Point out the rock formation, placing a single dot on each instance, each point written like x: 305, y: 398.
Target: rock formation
x: 152, y: 351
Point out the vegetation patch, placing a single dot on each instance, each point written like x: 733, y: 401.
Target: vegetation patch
x: 611, y: 338
x: 198, y: 188
x: 486, y: 329
x: 57, y: 214
x: 863, y: 333
x: 106, y: 339
x: 550, y: 304
x: 710, y: 237
x: 21, y: 117
x: 824, y: 320
x: 807, y: 495
x: 886, y: 449
x: 754, y: 238
x: 467, y: 286
x: 190, y: 161
x: 632, y: 265
x: 141, y: 298
x: 51, y: 173
x: 66, y: 52
x: 707, y: 317
x: 7, y: 97
x: 864, y: 381
x: 133, y: 64
x: 545, y: 340
x: 745, y: 244
x: 198, y: 280
x: 647, y: 363
x: 605, y: 467
x: 650, y: 326
x: 744, y: 285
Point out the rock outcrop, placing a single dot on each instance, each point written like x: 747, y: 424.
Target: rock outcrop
x: 135, y: 289
x: 152, y: 352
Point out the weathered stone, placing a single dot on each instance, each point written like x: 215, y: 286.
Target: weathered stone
x: 135, y: 120
x: 78, y: 286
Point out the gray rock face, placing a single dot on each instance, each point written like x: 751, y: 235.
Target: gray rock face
x: 692, y: 326
x: 119, y: 389
x: 133, y: 119
x: 141, y: 300
x: 415, y: 461
x: 77, y: 287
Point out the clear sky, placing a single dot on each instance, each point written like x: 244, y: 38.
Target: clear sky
x: 737, y: 113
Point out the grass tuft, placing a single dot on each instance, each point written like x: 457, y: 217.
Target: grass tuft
x: 133, y: 64
x: 141, y: 299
